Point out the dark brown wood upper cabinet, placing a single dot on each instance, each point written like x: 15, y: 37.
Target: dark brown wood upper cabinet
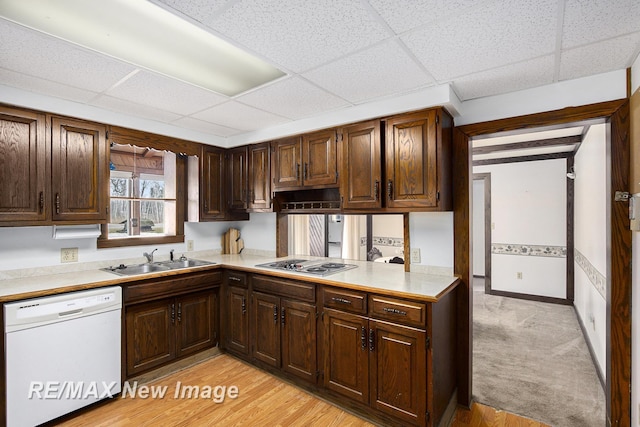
x: 361, y: 166
x: 237, y: 174
x: 24, y: 166
x: 309, y: 161
x: 79, y: 168
x: 212, y: 179
x: 260, y: 178
x: 418, y: 160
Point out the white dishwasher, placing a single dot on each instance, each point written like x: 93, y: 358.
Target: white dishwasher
x: 62, y: 353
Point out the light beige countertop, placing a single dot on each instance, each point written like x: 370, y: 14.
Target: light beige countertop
x: 389, y: 279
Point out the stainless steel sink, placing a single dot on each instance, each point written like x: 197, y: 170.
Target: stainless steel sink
x: 134, y: 269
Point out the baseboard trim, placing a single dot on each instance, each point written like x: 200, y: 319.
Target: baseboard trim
x: 529, y: 297
x: 592, y: 352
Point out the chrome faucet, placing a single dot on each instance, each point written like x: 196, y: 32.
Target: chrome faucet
x: 150, y: 256
x: 171, y: 254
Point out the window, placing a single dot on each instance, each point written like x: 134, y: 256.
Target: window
x: 143, y: 197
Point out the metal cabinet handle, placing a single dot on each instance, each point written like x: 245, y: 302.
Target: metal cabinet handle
x: 390, y: 189
x: 372, y: 340
x: 235, y: 279
x: 57, y: 203
x: 341, y: 300
x: 41, y: 201
x: 297, y: 170
x: 282, y: 315
x: 179, y: 312
x: 275, y: 314
x: 306, y: 170
x: 394, y: 311
x: 173, y: 313
x: 244, y: 306
x: 363, y: 338
x: 376, y: 190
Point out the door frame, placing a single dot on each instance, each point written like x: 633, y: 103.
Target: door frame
x: 486, y: 177
x: 618, y: 364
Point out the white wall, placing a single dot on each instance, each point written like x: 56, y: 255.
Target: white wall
x: 635, y: 293
x: 478, y: 228
x: 392, y: 227
x: 528, y: 207
x: 432, y: 233
x: 590, y: 214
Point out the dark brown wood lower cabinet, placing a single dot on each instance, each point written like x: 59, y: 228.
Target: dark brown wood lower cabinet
x: 237, y: 321
x: 377, y: 363
x: 160, y: 331
x: 284, y: 334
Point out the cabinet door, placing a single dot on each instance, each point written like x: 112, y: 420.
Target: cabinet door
x: 237, y: 333
x: 197, y: 322
x: 23, y: 166
x: 346, y: 355
x: 150, y: 330
x: 212, y: 183
x: 319, y: 157
x: 361, y: 171
x: 237, y: 173
x: 266, y: 328
x: 411, y: 160
x: 287, y: 159
x: 78, y: 170
x: 299, y: 357
x: 260, y: 177
x: 399, y: 371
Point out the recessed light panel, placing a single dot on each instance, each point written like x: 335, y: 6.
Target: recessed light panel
x: 148, y: 36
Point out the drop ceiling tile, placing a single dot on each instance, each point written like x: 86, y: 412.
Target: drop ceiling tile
x: 155, y: 90
x: 527, y: 136
x: 301, y: 34
x: 525, y: 152
x: 586, y: 21
x: 235, y: 115
x: 45, y: 87
x: 496, y: 35
x: 39, y: 55
x: 206, y: 127
x: 200, y: 10
x: 510, y: 78
x: 364, y: 76
x: 609, y: 55
x: 137, y: 110
x: 404, y: 15
x: 293, y: 98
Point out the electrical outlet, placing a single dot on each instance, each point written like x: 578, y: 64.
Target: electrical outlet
x: 415, y: 255
x: 189, y: 245
x: 519, y: 275
x: 69, y: 255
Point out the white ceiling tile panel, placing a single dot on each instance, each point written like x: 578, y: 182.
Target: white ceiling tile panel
x: 293, y: 98
x: 137, y: 110
x: 206, y: 127
x: 525, y: 152
x: 404, y: 15
x: 168, y: 94
x: 528, y: 136
x: 523, y: 75
x: 200, y: 10
x: 45, y: 87
x: 586, y: 21
x: 492, y: 36
x: 613, y: 54
x: 301, y: 34
x: 239, y: 116
x: 364, y: 76
x: 36, y: 54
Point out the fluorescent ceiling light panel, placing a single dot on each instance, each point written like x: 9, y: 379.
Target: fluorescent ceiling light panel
x: 148, y: 36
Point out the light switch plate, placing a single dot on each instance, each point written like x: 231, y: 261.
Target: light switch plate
x: 415, y: 256
x: 189, y: 245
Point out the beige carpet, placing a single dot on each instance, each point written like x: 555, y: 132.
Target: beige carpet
x: 530, y: 358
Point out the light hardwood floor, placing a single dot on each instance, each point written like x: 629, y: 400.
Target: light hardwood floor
x: 263, y: 400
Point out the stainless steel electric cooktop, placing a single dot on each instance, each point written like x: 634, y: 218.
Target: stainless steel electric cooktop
x: 315, y: 267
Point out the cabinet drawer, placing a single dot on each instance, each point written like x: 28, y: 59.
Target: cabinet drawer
x: 400, y: 311
x: 158, y: 288
x: 299, y: 290
x: 345, y: 300
x: 236, y: 278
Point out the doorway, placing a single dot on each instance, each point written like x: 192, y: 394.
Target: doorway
x: 618, y: 323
